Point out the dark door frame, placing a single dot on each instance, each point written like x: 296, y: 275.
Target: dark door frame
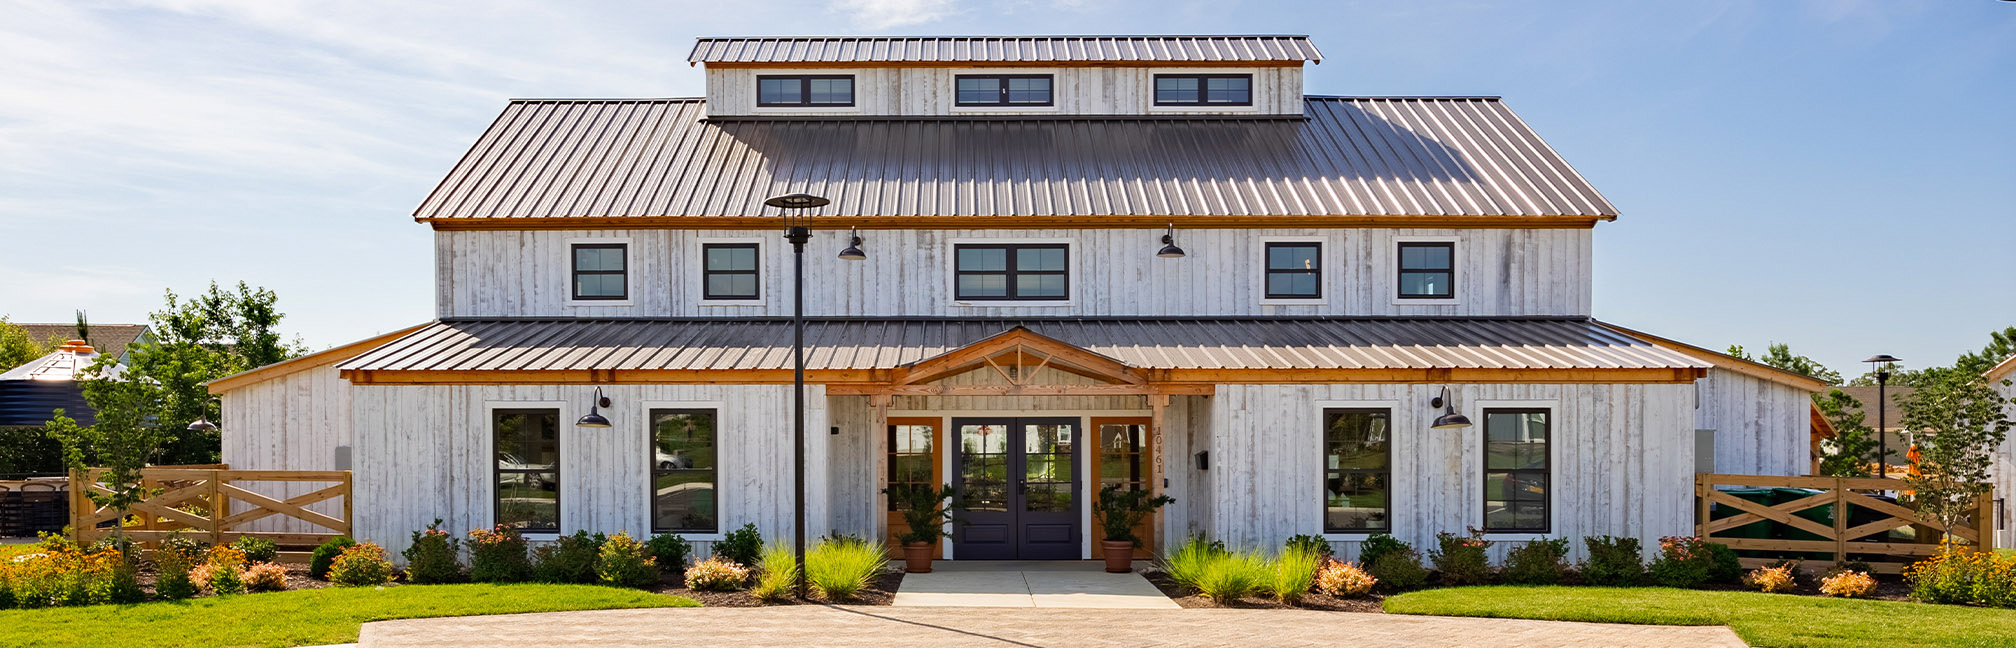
x: 1016, y: 521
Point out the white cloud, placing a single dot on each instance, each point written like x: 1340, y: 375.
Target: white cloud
x: 883, y: 14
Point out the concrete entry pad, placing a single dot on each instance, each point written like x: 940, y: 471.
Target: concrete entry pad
x: 1044, y: 585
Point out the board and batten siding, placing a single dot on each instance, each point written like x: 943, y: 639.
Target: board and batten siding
x: 425, y: 452
x: 1761, y: 427
x: 929, y: 91
x: 1622, y: 461
x: 293, y: 422
x: 2004, y: 475
x: 1499, y: 272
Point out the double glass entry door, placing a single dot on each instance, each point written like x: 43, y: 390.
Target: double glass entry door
x: 1020, y: 479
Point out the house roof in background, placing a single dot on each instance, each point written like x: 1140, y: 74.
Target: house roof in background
x: 108, y: 339
x: 1893, y: 416
x: 583, y: 163
x: 1004, y: 49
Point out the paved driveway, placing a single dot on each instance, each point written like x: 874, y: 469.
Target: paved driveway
x: 938, y: 627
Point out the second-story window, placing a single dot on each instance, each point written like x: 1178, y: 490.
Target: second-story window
x: 600, y: 271
x: 1427, y: 270
x: 1008, y: 272
x: 729, y: 271
x: 805, y: 90
x: 1004, y: 90
x: 1203, y: 89
x: 1294, y: 270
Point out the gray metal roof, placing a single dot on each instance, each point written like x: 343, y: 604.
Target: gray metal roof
x: 1148, y: 343
x: 1350, y: 157
x: 1004, y: 49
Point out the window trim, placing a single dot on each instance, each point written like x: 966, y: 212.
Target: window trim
x: 1402, y: 418
x: 706, y: 273
x: 574, y: 297
x: 724, y: 499
x: 1050, y: 99
x: 1155, y: 94
x: 490, y: 410
x: 651, y: 471
x: 952, y: 276
x: 1455, y: 260
x: 805, y: 90
x: 1483, y: 410
x: 1324, y: 470
x: 1267, y: 272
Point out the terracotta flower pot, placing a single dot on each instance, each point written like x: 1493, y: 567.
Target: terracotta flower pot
x: 1119, y: 555
x: 917, y: 557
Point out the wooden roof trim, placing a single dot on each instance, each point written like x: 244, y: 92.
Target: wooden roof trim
x: 1721, y: 360
x: 807, y: 65
x: 1158, y: 380
x: 1818, y: 422
x: 306, y: 362
x: 973, y: 357
x: 2001, y: 370
x: 1115, y: 221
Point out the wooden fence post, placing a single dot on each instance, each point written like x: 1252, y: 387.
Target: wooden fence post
x: 349, y: 500
x: 1984, y: 520
x: 1701, y: 487
x: 77, y: 531
x: 216, y: 520
x: 1840, y: 516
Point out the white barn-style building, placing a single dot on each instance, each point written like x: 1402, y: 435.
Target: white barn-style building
x: 1017, y: 326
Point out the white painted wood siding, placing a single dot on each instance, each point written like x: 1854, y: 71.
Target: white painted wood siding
x: 1499, y: 272
x: 1761, y: 427
x: 425, y: 452
x: 2004, y: 478
x: 1622, y: 461
x: 928, y: 91
x: 294, y: 422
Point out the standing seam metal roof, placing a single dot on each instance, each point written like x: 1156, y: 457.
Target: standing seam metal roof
x: 1004, y: 49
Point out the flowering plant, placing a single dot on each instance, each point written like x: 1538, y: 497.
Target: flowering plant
x: 1848, y: 584
x: 1770, y: 580
x: 1343, y: 579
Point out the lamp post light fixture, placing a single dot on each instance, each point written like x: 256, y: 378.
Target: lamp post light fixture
x: 595, y: 419
x: 1882, y: 362
x: 1449, y: 420
x: 1169, y: 249
x: 798, y: 231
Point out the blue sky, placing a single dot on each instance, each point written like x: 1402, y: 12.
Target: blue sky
x: 1836, y: 175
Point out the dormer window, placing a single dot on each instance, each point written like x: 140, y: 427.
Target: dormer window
x: 601, y: 271
x: 1004, y: 90
x: 805, y: 90
x: 1203, y: 89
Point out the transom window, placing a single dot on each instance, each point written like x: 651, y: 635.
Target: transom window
x: 1004, y: 90
x: 728, y: 271
x: 1012, y: 272
x: 1357, y: 470
x: 599, y: 271
x: 1294, y: 270
x: 1203, y: 89
x: 1516, y: 470
x: 805, y: 90
x: 684, y: 469
x: 527, y: 476
x: 1427, y: 270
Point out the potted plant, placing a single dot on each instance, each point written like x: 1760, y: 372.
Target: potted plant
x: 926, y: 510
x: 1119, y: 511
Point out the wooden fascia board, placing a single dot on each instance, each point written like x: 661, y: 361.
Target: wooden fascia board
x: 1117, y: 221
x: 306, y: 362
x: 806, y: 65
x: 1158, y: 381
x: 2001, y: 370
x: 613, y: 377
x: 971, y: 357
x: 1437, y: 375
x: 1016, y: 390
x: 1721, y: 360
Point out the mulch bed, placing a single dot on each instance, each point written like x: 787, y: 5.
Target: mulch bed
x: 880, y: 591
x: 1312, y: 601
x: 297, y: 578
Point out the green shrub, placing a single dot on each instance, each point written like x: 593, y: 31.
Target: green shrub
x: 1378, y: 545
x: 1537, y: 562
x: 625, y: 562
x: 1293, y: 572
x: 325, y: 555
x: 224, y: 562
x: 1399, y: 571
x: 1725, y: 567
x: 744, y: 546
x: 1612, y: 562
x: 360, y: 565
x: 257, y: 549
x: 1228, y: 577
x: 1461, y: 559
x: 778, y: 575
x: 670, y: 551
x: 716, y: 574
x: 498, y: 555
x: 1682, y: 562
x: 1185, y: 564
x: 172, y: 563
x: 568, y: 559
x: 1312, y: 544
x: 434, y: 556
x: 840, y: 569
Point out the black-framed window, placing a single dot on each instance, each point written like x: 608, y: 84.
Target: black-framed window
x: 1427, y: 270
x: 1517, y: 469
x: 1357, y: 470
x: 1294, y: 270
x: 1016, y: 271
x: 527, y: 474
x: 1002, y: 90
x: 1203, y: 89
x: 600, y: 271
x: 728, y: 271
x: 805, y: 90
x: 685, y: 446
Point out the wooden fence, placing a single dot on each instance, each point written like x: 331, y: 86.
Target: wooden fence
x: 212, y: 503
x: 1874, y: 540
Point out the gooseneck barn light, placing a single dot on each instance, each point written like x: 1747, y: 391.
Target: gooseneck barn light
x: 595, y: 419
x: 1169, y: 249
x: 1449, y: 420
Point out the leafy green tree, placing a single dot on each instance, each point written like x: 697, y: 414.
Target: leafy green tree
x: 1854, y: 445
x: 2001, y: 345
x: 122, y: 441
x: 17, y: 347
x: 1960, y: 421
x: 1781, y: 356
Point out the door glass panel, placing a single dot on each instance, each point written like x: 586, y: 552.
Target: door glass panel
x: 984, y: 466
x: 1047, y: 467
x: 1120, y: 457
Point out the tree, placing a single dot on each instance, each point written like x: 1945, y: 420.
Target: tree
x: 1960, y: 421
x: 17, y: 347
x: 2001, y: 345
x: 122, y: 441
x: 1854, y: 444
x: 1781, y: 356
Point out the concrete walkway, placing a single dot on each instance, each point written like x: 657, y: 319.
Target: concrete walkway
x: 810, y: 625
x: 1075, y: 584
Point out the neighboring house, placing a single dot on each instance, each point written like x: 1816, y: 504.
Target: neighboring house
x: 2005, y: 460
x: 1019, y: 326
x: 109, y: 339
x: 31, y: 393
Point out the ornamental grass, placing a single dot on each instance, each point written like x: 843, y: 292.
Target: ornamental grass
x: 842, y: 568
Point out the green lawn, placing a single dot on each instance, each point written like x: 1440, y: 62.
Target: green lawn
x: 298, y: 618
x: 1776, y: 620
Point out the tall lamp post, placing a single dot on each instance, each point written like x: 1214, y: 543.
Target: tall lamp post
x: 1881, y: 362
x: 798, y: 230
